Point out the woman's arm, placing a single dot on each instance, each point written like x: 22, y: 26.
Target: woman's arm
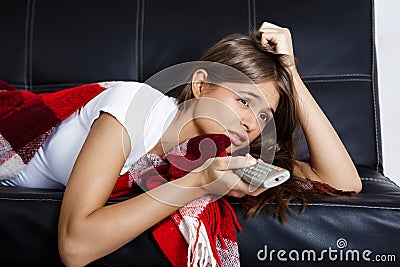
x: 89, y: 230
x: 330, y: 161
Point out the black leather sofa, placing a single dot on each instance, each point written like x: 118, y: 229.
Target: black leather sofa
x: 50, y: 45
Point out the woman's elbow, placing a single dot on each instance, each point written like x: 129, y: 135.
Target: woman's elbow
x: 71, y: 252
x: 351, y: 185
x: 356, y: 186
x: 71, y: 249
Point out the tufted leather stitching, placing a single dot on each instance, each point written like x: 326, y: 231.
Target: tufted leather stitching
x: 137, y: 45
x: 346, y: 206
x: 291, y: 204
x: 373, y: 82
x: 137, y: 39
x: 141, y: 39
x: 336, y: 75
x: 252, y: 14
x: 338, y: 80
x: 378, y: 180
x: 29, y: 18
x: 31, y: 199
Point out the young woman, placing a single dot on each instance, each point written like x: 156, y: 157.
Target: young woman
x: 106, y: 147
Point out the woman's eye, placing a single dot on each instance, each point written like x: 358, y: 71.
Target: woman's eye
x: 244, y: 102
x: 264, y: 117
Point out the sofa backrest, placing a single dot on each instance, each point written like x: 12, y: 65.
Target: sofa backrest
x: 50, y: 45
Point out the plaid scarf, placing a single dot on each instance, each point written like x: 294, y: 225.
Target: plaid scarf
x: 27, y: 119
x: 202, y: 233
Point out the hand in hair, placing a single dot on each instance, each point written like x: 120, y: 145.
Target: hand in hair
x: 278, y: 38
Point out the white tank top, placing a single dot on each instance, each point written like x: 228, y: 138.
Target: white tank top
x: 142, y: 110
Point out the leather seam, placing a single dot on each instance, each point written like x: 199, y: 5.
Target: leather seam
x: 338, y: 80
x: 31, y: 199
x: 28, y: 44
x: 290, y: 204
x: 137, y: 39
x: 346, y: 206
x: 373, y: 82
x: 249, y: 14
x: 70, y: 84
x: 77, y: 84
x: 141, y: 39
x: 336, y: 75
x: 252, y: 14
x: 337, y: 205
x: 375, y: 180
x: 378, y: 180
x: 31, y: 46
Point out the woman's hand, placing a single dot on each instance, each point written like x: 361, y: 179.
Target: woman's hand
x: 277, y: 38
x: 216, y: 176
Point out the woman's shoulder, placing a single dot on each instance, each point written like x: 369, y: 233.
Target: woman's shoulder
x: 127, y: 87
x: 123, y: 91
x: 125, y: 99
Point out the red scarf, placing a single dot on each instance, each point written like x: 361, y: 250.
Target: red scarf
x: 203, y: 231
x: 27, y: 119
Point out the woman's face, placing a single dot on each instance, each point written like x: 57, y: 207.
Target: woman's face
x: 238, y: 110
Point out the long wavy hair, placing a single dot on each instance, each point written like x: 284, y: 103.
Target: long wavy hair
x: 262, y: 64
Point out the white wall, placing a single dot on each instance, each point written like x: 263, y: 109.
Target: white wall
x: 387, y: 20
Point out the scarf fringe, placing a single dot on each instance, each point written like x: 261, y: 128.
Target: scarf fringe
x: 204, y: 233
x: 199, y: 250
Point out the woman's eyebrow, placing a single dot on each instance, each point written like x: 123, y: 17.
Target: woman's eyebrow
x: 256, y: 97
x: 251, y: 94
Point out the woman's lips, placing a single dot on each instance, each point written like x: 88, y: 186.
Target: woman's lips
x: 236, y: 138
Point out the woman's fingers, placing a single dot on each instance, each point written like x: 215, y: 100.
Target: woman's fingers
x: 267, y: 25
x: 242, y: 188
x: 278, y: 36
x: 228, y: 163
x: 273, y: 36
x: 220, y: 178
x: 217, y: 176
x: 238, y: 162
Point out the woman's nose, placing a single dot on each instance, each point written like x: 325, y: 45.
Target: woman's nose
x: 245, y: 126
x: 248, y: 121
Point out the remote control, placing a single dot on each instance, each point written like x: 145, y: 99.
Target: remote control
x: 263, y: 174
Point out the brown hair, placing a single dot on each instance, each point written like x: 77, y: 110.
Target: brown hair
x: 261, y: 64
